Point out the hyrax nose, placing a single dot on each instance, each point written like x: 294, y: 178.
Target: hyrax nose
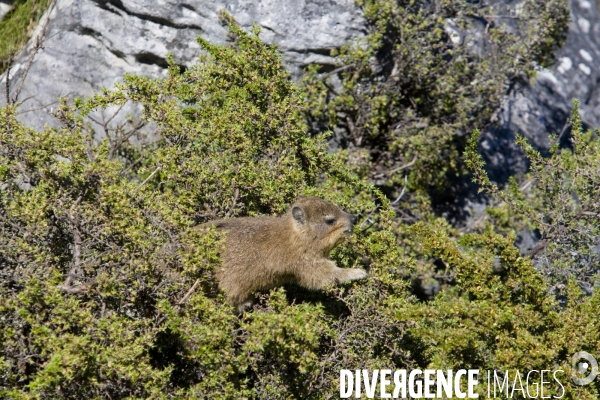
x: 353, y: 219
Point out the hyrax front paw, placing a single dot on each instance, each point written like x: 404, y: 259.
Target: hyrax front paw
x: 355, y: 274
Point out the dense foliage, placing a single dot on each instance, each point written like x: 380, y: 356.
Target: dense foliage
x: 403, y: 99
x: 108, y: 291
x: 559, y: 199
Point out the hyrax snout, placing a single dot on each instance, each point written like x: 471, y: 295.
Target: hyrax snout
x: 265, y: 252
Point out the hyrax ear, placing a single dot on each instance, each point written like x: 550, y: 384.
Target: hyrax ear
x: 298, y: 214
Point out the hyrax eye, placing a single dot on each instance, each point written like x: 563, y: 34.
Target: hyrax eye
x: 330, y: 221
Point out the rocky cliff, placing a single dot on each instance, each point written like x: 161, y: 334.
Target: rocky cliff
x: 90, y: 44
x: 544, y: 107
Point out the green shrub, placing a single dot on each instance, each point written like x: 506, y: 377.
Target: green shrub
x: 406, y: 96
x: 500, y: 319
x: 106, y: 287
x: 558, y: 198
x: 107, y: 290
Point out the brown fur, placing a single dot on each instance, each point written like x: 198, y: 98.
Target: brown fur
x: 266, y: 252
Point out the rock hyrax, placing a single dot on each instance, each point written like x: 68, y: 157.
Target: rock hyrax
x: 265, y: 252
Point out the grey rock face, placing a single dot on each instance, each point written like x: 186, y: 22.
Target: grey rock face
x: 545, y: 107
x: 91, y: 44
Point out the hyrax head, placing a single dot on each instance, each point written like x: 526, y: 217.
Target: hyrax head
x: 321, y: 222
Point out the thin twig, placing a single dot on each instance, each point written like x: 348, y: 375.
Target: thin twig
x: 131, y: 165
x: 180, y: 302
x: 149, y: 177
x: 114, y: 114
x: 368, y: 217
x: 527, y: 184
x: 235, y: 199
x: 119, y: 141
x: 391, y: 204
x: 37, y: 108
x: 8, y: 132
x: 7, y: 82
x: 564, y: 129
x: 77, y: 243
x: 36, y: 47
x: 76, y: 203
x: 335, y: 71
x: 486, y: 17
x: 66, y: 287
x: 353, y: 132
x: 500, y: 107
x: 539, y: 246
x: 189, y: 292
x: 402, y: 192
x: 84, y: 287
x: 410, y: 164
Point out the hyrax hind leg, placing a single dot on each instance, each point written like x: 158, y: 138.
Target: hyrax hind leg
x: 326, y: 273
x: 246, y: 305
